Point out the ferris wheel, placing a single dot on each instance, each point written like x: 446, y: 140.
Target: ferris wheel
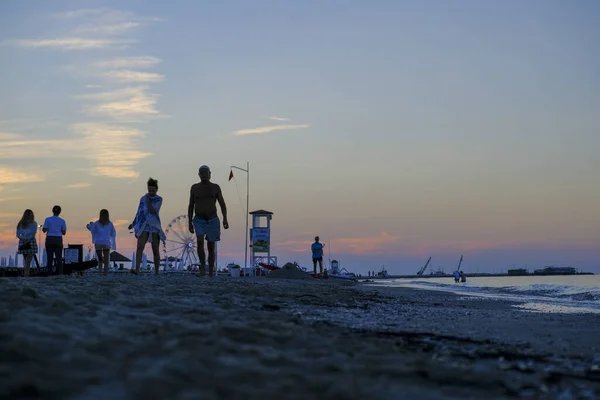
x: 180, y: 246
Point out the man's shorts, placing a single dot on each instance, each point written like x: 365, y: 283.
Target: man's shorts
x: 211, y: 228
x: 315, y: 259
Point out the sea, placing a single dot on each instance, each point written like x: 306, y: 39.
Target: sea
x: 550, y: 294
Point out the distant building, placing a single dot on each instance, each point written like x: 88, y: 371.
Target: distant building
x: 550, y: 270
x: 518, y: 271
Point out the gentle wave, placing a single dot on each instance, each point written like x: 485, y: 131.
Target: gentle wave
x: 549, y: 291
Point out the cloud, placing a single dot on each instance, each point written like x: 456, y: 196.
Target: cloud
x: 279, y: 119
x: 133, y: 76
x: 80, y: 13
x: 129, y: 103
x: 13, y: 175
x: 78, y: 185
x: 111, y: 148
x: 72, y: 43
x: 129, y: 62
x: 9, y: 136
x: 110, y: 30
x: 121, y: 223
x: 267, y: 129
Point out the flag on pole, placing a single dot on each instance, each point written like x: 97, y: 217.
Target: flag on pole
x: 230, y: 175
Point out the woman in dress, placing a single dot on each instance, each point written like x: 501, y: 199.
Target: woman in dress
x: 146, y: 225
x: 104, y: 237
x: 26, y: 230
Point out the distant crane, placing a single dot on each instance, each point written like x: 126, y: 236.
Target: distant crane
x: 424, y: 267
x: 459, y: 263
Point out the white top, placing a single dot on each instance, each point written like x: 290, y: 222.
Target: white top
x: 28, y: 232
x: 55, y: 225
x: 103, y: 235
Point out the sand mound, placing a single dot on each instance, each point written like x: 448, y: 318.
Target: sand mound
x: 289, y: 271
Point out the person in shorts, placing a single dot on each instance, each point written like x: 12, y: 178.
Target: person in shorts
x: 26, y: 230
x: 205, y: 224
x: 104, y: 237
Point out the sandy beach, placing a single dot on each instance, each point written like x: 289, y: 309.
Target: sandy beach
x: 178, y: 336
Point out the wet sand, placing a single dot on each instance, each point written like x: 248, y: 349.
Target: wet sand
x: 184, y: 337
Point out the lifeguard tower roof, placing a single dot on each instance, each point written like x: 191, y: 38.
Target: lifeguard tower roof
x: 261, y: 212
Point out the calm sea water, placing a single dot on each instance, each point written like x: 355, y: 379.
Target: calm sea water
x: 577, y: 293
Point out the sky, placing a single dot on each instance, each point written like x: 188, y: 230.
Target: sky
x: 394, y: 130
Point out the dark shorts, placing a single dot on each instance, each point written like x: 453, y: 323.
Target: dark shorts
x: 318, y: 259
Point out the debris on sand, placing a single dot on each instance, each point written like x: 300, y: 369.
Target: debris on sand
x: 289, y: 271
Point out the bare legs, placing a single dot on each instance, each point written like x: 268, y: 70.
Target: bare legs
x: 202, y: 255
x: 211, y: 258
x: 315, y: 261
x: 141, y: 244
x: 27, y: 265
x: 156, y: 252
x: 103, y: 259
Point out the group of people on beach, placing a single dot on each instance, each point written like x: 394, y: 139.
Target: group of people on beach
x: 146, y: 226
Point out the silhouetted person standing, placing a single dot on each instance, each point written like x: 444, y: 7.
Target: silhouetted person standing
x: 317, y: 254
x: 203, y: 198
x: 55, y: 228
x: 147, y: 226
x: 26, y: 230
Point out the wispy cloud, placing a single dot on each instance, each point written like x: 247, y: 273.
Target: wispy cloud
x: 111, y: 149
x: 127, y: 104
x: 84, y: 12
x: 9, y: 136
x: 129, y: 62
x: 110, y: 30
x: 282, y: 119
x: 268, y: 129
x: 72, y: 43
x: 133, y: 76
x: 78, y: 185
x: 14, y: 175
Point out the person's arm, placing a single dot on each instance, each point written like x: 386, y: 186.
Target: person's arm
x: 191, y: 210
x: 64, y: 228
x: 44, y: 229
x: 113, y: 237
x: 221, y: 201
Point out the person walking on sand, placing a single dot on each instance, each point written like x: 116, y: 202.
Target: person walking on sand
x: 55, y: 228
x: 104, y: 237
x: 26, y: 230
x: 317, y: 254
x: 147, y: 227
x: 203, y: 198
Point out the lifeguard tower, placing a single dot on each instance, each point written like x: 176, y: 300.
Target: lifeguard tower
x: 260, y: 237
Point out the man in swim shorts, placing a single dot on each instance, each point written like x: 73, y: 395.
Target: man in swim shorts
x: 203, y: 198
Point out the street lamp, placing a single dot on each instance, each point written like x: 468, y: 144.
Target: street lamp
x: 247, y: 171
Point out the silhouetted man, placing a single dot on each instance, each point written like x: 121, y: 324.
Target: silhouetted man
x: 317, y: 254
x: 203, y: 198
x: 55, y: 228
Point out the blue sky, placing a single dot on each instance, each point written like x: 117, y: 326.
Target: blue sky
x: 395, y: 130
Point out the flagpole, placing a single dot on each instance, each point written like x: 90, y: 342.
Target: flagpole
x: 247, y: 171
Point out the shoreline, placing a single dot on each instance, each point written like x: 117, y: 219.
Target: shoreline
x: 168, y: 336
